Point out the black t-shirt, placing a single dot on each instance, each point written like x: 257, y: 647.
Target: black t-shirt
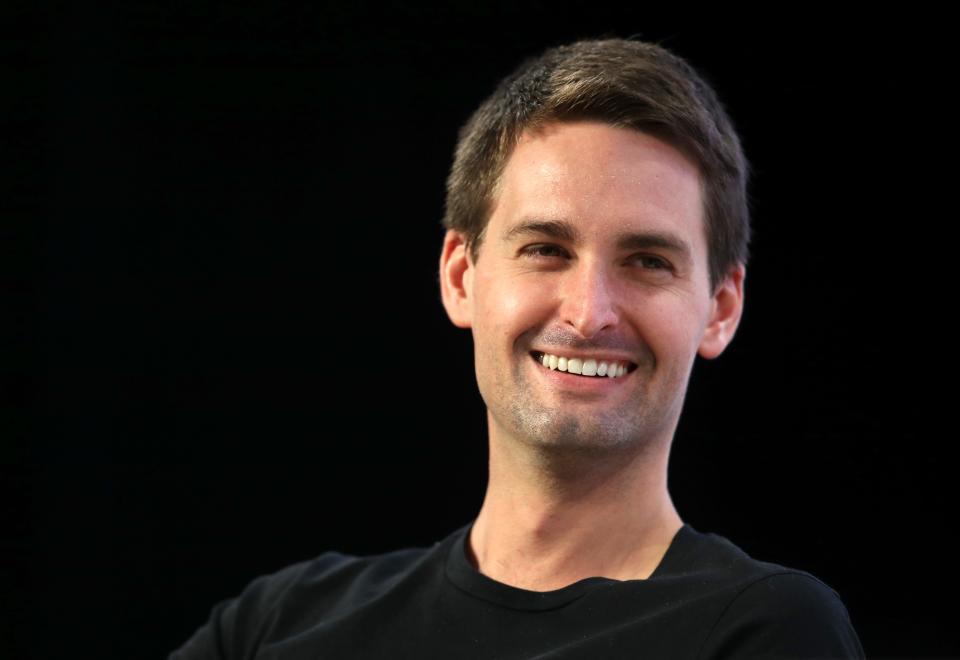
x: 706, y: 599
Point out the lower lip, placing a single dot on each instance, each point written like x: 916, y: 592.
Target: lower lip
x: 570, y: 381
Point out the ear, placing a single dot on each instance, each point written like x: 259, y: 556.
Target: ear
x: 727, y: 307
x: 456, y: 279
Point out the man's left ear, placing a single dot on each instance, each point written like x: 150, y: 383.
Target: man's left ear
x: 725, y: 317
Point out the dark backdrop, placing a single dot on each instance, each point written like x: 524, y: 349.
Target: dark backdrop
x: 229, y: 351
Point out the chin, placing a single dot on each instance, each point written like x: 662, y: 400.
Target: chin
x: 568, y: 434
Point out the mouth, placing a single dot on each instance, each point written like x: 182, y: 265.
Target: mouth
x: 584, y: 367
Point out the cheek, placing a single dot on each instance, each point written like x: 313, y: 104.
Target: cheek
x: 505, y: 308
x: 674, y: 332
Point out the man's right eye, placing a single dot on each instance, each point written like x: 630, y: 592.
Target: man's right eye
x: 544, y: 250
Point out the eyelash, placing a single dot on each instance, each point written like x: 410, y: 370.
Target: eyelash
x: 662, y: 263
x: 536, y: 251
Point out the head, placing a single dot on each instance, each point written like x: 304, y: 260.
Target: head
x: 627, y: 84
x: 596, y: 213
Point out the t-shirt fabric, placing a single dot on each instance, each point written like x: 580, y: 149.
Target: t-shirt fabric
x: 706, y: 599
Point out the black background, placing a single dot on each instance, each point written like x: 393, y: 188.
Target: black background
x: 228, y: 351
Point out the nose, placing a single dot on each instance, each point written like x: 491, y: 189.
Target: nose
x: 588, y: 300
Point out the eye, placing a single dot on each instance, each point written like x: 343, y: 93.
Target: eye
x: 543, y: 250
x: 653, y: 262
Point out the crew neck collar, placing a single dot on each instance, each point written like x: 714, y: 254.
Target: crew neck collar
x: 467, y: 578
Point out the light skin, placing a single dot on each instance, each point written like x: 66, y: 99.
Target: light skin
x: 595, y: 248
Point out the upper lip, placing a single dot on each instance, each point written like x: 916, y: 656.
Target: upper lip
x: 586, y: 354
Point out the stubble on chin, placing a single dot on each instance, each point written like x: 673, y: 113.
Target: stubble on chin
x: 558, y: 432
x: 555, y: 434
x: 550, y: 430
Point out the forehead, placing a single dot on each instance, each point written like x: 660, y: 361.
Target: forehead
x: 603, y: 179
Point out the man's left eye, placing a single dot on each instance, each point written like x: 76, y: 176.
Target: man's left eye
x: 655, y: 263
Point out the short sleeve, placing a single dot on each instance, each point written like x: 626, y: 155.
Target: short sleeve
x: 787, y: 615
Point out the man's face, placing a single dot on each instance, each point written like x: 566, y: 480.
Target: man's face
x: 595, y: 250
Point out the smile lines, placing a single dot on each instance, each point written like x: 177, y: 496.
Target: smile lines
x: 582, y: 367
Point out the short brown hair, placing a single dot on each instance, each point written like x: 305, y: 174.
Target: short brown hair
x: 623, y: 83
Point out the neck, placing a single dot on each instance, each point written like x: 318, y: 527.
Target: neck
x: 548, y: 521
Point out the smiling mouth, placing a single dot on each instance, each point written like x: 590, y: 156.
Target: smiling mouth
x: 586, y: 367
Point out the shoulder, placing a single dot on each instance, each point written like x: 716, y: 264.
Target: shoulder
x: 790, y: 614
x: 277, y: 604
x: 772, y: 611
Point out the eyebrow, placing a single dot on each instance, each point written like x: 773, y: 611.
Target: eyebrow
x: 553, y: 228
x: 565, y: 231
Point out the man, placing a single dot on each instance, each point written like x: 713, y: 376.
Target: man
x: 597, y: 233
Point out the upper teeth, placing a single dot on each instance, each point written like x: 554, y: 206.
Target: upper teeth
x: 588, y: 367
